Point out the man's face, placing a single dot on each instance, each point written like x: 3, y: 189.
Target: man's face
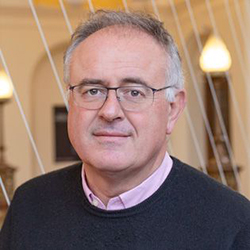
x: 112, y: 139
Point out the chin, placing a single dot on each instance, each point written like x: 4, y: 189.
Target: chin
x: 110, y: 161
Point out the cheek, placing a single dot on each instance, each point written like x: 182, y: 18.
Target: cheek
x: 161, y: 116
x: 77, y: 124
x: 72, y: 127
x: 150, y: 125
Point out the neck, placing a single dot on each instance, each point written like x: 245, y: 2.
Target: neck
x: 108, y: 184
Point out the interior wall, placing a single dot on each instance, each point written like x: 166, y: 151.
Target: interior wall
x: 45, y: 96
x: 22, y: 48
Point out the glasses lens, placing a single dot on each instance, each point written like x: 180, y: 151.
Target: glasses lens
x: 132, y: 98
x: 135, y: 98
x: 89, y: 96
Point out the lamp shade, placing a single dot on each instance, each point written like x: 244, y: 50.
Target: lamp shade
x: 215, y: 56
x: 6, y: 90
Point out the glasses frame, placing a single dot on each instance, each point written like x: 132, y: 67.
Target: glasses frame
x: 71, y: 88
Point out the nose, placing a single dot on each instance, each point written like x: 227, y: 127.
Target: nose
x: 111, y: 109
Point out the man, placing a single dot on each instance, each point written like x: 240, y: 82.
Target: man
x: 125, y: 94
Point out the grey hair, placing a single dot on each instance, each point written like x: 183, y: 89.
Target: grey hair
x: 143, y: 22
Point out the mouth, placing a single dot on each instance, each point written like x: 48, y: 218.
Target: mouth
x: 107, y: 137
x: 110, y: 134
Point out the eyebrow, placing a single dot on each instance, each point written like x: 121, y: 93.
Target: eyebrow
x: 135, y: 80
x: 87, y: 81
x: 126, y: 80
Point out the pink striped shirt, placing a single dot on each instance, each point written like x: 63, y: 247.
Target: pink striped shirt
x: 136, y: 195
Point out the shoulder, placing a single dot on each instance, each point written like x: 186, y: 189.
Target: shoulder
x: 55, y: 182
x: 54, y: 177
x: 209, y: 193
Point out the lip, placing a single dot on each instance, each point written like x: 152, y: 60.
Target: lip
x: 111, y: 137
x: 111, y: 134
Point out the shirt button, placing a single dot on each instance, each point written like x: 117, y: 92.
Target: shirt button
x: 95, y: 203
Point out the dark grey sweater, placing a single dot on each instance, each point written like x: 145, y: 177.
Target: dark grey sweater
x: 189, y: 211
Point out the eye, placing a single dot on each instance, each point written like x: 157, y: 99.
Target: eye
x: 135, y: 93
x: 93, y: 92
x: 89, y: 91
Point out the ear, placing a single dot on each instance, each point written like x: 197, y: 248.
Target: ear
x: 175, y: 109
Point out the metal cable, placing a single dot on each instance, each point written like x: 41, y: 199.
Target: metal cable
x: 195, y: 83
x: 239, y: 119
x: 48, y: 53
x: 125, y: 4
x: 156, y: 11
x: 65, y: 15
x: 190, y: 123
x: 214, y: 96
x: 195, y: 140
x: 91, y: 7
x: 237, y: 45
x: 240, y: 20
x: 231, y: 90
x: 4, y: 192
x: 22, y: 114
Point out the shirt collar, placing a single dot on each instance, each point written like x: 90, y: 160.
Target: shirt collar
x: 136, y: 195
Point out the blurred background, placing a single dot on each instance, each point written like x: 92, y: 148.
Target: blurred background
x: 212, y: 36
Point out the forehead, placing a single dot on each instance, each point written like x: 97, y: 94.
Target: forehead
x: 115, y: 52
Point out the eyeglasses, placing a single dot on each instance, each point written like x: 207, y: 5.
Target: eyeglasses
x: 131, y: 98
